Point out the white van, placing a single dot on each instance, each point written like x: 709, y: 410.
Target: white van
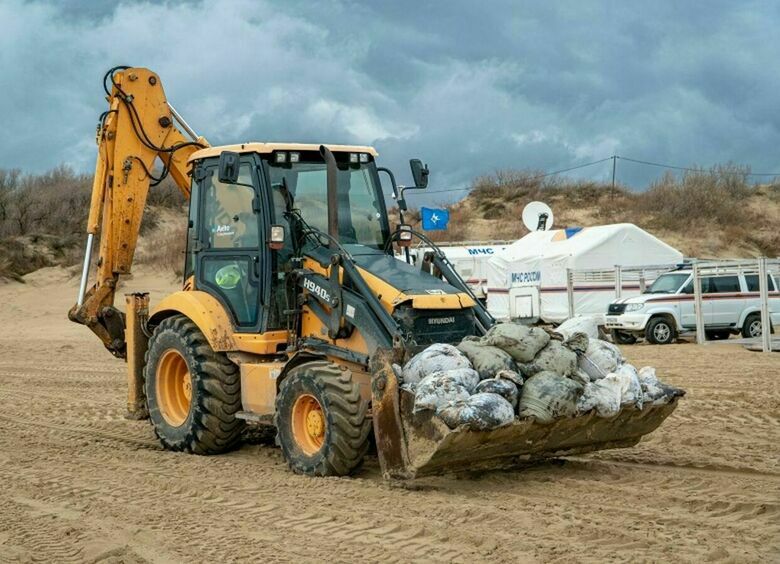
x: 730, y: 302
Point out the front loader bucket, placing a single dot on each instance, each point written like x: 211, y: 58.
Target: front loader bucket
x: 412, y: 445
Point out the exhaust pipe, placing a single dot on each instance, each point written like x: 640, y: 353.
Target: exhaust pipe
x: 333, y: 202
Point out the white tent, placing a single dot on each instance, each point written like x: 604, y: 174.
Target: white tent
x: 469, y: 260
x: 527, y: 280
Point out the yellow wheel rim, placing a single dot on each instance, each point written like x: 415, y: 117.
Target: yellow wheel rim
x: 308, y: 424
x: 174, y: 387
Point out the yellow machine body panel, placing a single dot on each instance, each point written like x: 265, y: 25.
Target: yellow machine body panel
x: 214, y: 322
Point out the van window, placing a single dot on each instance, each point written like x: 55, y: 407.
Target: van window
x: 721, y: 285
x: 752, y: 283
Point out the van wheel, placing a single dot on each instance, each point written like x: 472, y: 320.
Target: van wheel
x: 321, y: 420
x: 660, y: 331
x: 752, y: 326
x: 622, y: 338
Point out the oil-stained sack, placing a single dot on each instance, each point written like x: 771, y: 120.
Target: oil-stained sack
x: 436, y: 358
x: 486, y: 359
x: 438, y: 389
x: 548, y: 396
x: 555, y: 357
x: 500, y: 386
x: 520, y: 341
x: 480, y: 412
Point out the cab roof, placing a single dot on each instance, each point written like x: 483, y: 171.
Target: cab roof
x: 256, y: 147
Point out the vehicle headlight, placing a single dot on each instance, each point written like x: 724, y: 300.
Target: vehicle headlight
x: 634, y: 307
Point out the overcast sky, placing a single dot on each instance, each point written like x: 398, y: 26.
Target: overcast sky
x: 469, y: 87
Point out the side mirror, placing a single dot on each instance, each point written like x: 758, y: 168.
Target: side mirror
x: 419, y: 173
x: 229, y: 164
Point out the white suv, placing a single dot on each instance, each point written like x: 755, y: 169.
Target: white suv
x: 731, y: 304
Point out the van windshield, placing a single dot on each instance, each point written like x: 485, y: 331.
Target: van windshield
x: 667, y: 283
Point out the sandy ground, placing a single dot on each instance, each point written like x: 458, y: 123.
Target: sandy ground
x: 78, y: 482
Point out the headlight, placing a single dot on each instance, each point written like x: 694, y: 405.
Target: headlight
x: 634, y: 307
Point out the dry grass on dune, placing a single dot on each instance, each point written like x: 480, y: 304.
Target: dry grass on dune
x: 707, y: 213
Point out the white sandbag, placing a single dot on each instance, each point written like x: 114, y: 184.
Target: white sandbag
x: 579, y: 324
x: 438, y: 389
x: 436, y: 358
x: 480, y: 412
x: 548, y: 396
x: 520, y: 341
x: 630, y: 388
x: 486, y: 359
x: 500, y: 386
x: 603, y: 395
x: 555, y: 357
x: 654, y: 391
x: 600, y: 359
x: 609, y: 394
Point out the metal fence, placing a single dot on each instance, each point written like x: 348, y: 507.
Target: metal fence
x: 638, y: 278
x: 760, y: 267
x: 620, y: 278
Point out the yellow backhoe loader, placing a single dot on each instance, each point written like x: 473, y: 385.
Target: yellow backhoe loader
x: 293, y: 307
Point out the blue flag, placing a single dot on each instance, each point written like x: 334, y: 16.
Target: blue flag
x: 433, y: 219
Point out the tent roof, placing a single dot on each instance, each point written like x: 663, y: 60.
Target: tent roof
x: 578, y: 241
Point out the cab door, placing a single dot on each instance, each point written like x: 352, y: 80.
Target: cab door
x: 227, y: 261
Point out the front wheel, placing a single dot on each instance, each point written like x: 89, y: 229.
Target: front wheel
x: 660, y: 331
x: 622, y: 338
x: 321, y: 420
x: 193, y: 392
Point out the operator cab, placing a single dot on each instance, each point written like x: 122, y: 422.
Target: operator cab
x: 267, y: 204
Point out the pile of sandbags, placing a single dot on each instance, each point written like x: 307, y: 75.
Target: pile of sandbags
x: 517, y: 371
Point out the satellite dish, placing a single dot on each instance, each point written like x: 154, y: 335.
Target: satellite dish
x: 537, y: 216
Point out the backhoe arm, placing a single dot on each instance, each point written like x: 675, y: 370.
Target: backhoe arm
x: 137, y: 129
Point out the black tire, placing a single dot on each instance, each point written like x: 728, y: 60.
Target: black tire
x: 346, y: 427
x: 718, y: 334
x: 752, y: 327
x: 210, y: 426
x: 660, y: 331
x: 623, y: 338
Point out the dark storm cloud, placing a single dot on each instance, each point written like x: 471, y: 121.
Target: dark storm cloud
x: 470, y: 87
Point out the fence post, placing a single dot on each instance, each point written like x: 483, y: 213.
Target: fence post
x: 570, y: 291
x: 642, y: 282
x: 618, y: 282
x: 701, y: 336
x: 763, y: 288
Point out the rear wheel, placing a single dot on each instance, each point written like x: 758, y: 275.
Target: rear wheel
x: 622, y: 338
x: 193, y: 392
x: 321, y: 420
x: 660, y: 331
x: 751, y: 329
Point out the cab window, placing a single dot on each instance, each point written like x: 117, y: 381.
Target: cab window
x: 228, y: 219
